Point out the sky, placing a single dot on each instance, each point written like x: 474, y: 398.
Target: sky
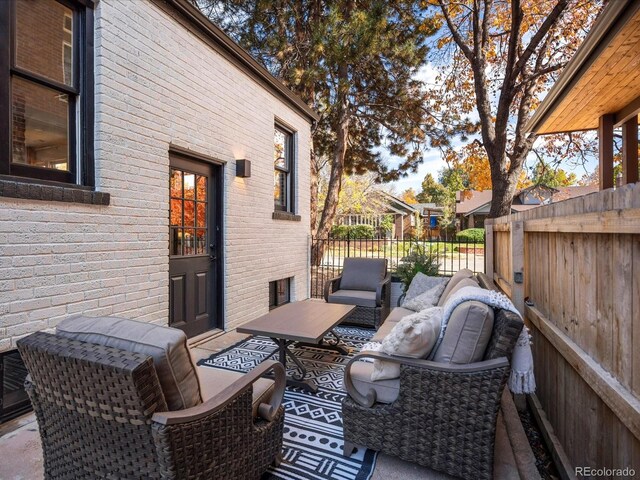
x: 433, y: 162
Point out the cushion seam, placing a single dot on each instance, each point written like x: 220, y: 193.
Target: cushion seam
x: 475, y: 348
x: 453, y: 353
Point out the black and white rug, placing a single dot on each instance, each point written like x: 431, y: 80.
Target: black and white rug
x: 313, y: 422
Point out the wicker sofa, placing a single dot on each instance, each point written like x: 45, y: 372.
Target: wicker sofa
x: 365, y: 283
x: 136, y: 413
x: 438, y: 413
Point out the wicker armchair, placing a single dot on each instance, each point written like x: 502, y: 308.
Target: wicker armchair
x: 445, y: 415
x: 366, y: 284
x: 102, y: 413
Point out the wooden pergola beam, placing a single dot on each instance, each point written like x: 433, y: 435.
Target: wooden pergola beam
x: 627, y: 113
x: 605, y: 150
x: 630, y: 150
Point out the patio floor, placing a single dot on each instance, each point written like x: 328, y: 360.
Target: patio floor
x: 22, y: 457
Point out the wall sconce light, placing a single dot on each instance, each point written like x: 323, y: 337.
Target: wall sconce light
x: 243, y: 168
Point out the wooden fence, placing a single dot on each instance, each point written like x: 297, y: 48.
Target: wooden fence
x: 578, y: 261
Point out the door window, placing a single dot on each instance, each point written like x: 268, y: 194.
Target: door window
x: 188, y: 213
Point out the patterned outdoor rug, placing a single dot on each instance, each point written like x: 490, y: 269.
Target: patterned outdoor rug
x: 313, y: 422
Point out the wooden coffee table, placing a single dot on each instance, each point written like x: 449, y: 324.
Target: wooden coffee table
x: 304, y: 323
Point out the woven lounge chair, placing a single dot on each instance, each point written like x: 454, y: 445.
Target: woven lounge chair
x: 364, y: 283
x: 441, y: 415
x: 102, y: 413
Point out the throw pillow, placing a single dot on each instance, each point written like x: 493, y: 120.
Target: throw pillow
x: 421, y: 283
x: 414, y: 336
x: 425, y: 300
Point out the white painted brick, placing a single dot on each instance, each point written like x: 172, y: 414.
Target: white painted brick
x: 155, y: 83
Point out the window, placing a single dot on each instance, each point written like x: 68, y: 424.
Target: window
x: 188, y: 213
x: 13, y: 397
x: 279, y: 292
x: 283, y: 164
x: 47, y: 60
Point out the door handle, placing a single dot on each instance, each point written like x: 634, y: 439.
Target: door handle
x: 212, y: 255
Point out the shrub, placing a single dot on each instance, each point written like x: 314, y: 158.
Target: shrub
x: 418, y: 260
x: 342, y: 232
x: 471, y: 235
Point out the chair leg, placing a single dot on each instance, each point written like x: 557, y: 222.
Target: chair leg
x: 278, y: 460
x: 348, y: 449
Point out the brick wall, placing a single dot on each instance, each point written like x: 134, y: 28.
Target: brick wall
x: 156, y: 83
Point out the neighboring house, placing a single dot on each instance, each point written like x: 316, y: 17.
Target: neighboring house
x: 406, y: 217
x: 472, y: 207
x: 125, y: 185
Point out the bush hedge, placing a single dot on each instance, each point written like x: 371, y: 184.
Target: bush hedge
x: 471, y: 235
x: 342, y: 232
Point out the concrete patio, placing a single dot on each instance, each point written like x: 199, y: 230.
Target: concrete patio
x: 22, y: 458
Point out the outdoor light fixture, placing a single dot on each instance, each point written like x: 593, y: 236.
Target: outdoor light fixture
x: 243, y: 168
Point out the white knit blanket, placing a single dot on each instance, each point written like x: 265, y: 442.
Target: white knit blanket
x: 522, y: 379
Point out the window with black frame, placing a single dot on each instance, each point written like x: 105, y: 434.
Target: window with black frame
x: 283, y: 164
x: 279, y: 292
x: 46, y: 55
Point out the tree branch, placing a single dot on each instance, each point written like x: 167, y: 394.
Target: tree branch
x: 455, y: 33
x: 548, y: 23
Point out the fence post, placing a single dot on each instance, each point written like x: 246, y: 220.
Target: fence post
x: 517, y: 265
x: 348, y: 244
x: 488, y: 250
x: 517, y: 285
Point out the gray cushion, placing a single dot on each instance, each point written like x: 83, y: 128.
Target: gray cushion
x: 397, y: 314
x: 387, y: 391
x: 363, y: 273
x: 467, y: 335
x: 167, y: 346
x: 353, y: 297
x: 465, y: 282
x: 463, y: 274
x: 394, y: 317
x: 215, y: 380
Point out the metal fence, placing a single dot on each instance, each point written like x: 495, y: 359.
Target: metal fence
x: 452, y: 255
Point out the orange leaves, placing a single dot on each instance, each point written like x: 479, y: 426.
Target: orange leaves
x: 409, y: 196
x: 473, y: 161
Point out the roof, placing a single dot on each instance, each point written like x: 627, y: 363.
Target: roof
x: 195, y: 21
x: 400, y: 204
x: 428, y: 208
x: 601, y: 78
x: 471, y: 201
x: 565, y: 193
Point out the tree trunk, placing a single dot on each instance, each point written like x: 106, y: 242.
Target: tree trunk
x: 337, y: 165
x: 504, y: 188
x: 313, y: 197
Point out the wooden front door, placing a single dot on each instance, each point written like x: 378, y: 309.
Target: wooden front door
x: 194, y: 246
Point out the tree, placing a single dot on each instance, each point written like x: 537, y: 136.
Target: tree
x: 360, y: 194
x: 472, y: 161
x: 545, y: 174
x: 354, y: 63
x: 498, y: 58
x: 432, y: 191
x: 409, y: 196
